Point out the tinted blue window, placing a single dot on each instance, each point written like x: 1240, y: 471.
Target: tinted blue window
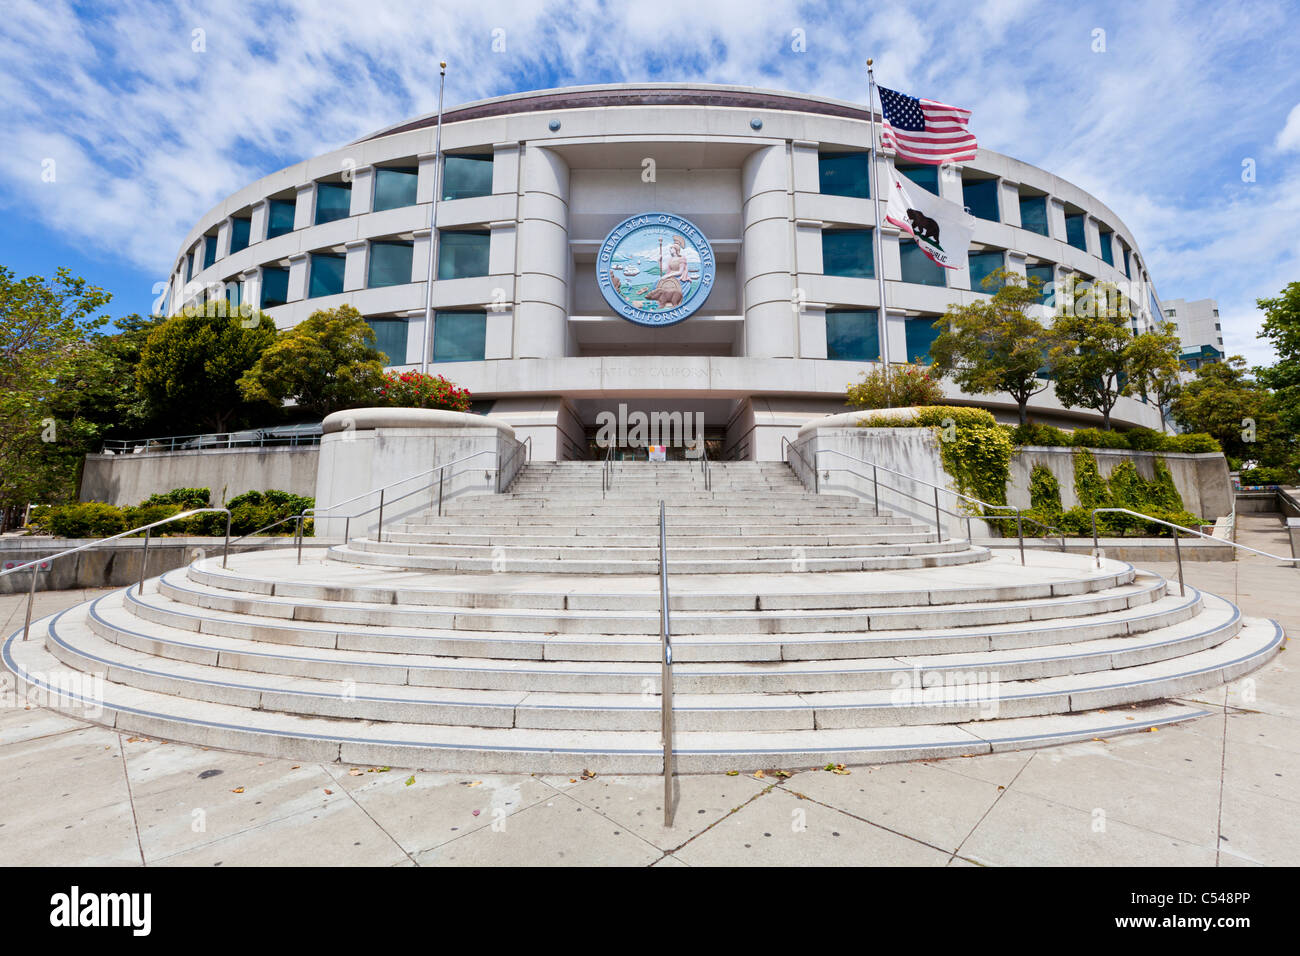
x: 390, y: 338
x: 1156, y: 314
x: 1033, y: 214
x: 279, y: 217
x: 918, y: 267
x: 239, y: 234
x: 464, y: 177
x: 919, y: 333
x: 1126, y: 264
x: 390, y: 263
x: 233, y: 294
x: 189, y: 266
x: 847, y: 252
x: 275, y: 287
x: 981, y: 198
x: 852, y: 335
x: 209, y: 250
x: 462, y: 254
x: 333, y: 201
x: 845, y: 174
x: 1047, y: 293
x: 1107, y: 247
x: 925, y: 176
x: 983, y: 264
x: 394, y: 188
x: 326, y: 275
x: 1074, y: 231
x: 459, y: 336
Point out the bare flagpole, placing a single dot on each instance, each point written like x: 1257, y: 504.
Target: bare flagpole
x: 426, y: 347
x: 882, y: 321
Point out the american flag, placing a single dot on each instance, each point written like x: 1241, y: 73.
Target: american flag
x: 925, y: 131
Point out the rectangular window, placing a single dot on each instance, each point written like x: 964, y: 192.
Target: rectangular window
x: 1155, y: 304
x: 189, y: 266
x: 1047, y: 274
x: 279, y: 217
x: 848, y: 252
x: 390, y: 263
x: 390, y: 338
x: 239, y: 229
x: 982, y: 265
x: 333, y: 201
x: 275, y: 287
x: 918, y: 267
x: 852, y: 335
x: 1033, y: 214
x: 845, y: 174
x: 924, y: 175
x: 234, y: 293
x: 459, y: 336
x: 326, y: 275
x: 1074, y: 231
x: 209, y: 250
x: 981, y: 198
x: 1107, y: 246
x: 464, y: 177
x: 1127, y: 268
x: 394, y: 188
x: 919, y: 333
x: 462, y: 255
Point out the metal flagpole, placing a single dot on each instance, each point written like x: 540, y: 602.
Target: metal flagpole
x: 426, y: 348
x: 882, y: 322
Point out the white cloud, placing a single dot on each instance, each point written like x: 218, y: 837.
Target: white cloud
x: 149, y: 134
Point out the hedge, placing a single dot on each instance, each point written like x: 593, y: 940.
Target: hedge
x: 249, y: 512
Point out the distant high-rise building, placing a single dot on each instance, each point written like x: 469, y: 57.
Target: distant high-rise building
x: 1198, y: 329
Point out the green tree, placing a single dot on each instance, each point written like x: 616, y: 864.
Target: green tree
x: 1154, y: 365
x: 1090, y: 360
x: 44, y: 324
x: 1224, y: 401
x: 325, y: 363
x: 1282, y: 329
x: 996, y: 345
x: 191, y: 365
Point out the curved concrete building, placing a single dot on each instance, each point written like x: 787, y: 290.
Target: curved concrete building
x: 533, y: 185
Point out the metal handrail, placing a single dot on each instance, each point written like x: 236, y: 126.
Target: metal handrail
x: 347, y: 527
x: 252, y: 437
x: 666, y: 665
x: 607, y: 471
x: 274, y: 524
x: 1178, y: 554
x: 525, y: 445
x: 144, y: 559
x: 704, y: 458
x: 938, y: 511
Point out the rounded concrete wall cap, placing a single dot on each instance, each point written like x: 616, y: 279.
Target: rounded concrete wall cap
x: 851, y: 419
x: 360, y: 419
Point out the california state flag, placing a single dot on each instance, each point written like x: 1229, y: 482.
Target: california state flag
x: 941, y: 228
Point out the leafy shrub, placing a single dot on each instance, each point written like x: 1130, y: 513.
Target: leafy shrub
x: 1089, y: 486
x: 254, y: 510
x: 187, y: 498
x: 1279, y: 475
x: 1096, y: 438
x: 417, y: 390
x: 1044, y: 492
x: 92, y: 519
x: 1192, y: 442
x: 1043, y: 435
x: 1145, y: 439
x: 897, y: 386
x: 133, y: 516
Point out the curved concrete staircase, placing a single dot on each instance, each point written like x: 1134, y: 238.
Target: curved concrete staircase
x: 521, y: 633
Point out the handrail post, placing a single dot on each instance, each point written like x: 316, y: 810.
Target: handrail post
x: 1095, y: 543
x: 666, y: 673
x: 31, y: 598
x: 225, y: 554
x: 1178, y: 556
x: 1020, y: 533
x: 875, y: 491
x: 440, y: 474
x: 938, y: 521
x: 144, y: 560
x: 379, y: 530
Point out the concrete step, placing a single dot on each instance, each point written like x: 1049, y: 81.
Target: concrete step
x: 506, y: 551
x: 613, y: 537
x: 518, y: 749
x: 735, y: 646
x: 1171, y: 629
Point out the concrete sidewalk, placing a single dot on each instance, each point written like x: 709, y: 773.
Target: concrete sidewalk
x: 1221, y: 790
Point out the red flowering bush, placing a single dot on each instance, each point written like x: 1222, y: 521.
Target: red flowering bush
x: 417, y: 390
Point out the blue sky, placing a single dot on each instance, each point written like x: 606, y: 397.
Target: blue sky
x: 152, y: 112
